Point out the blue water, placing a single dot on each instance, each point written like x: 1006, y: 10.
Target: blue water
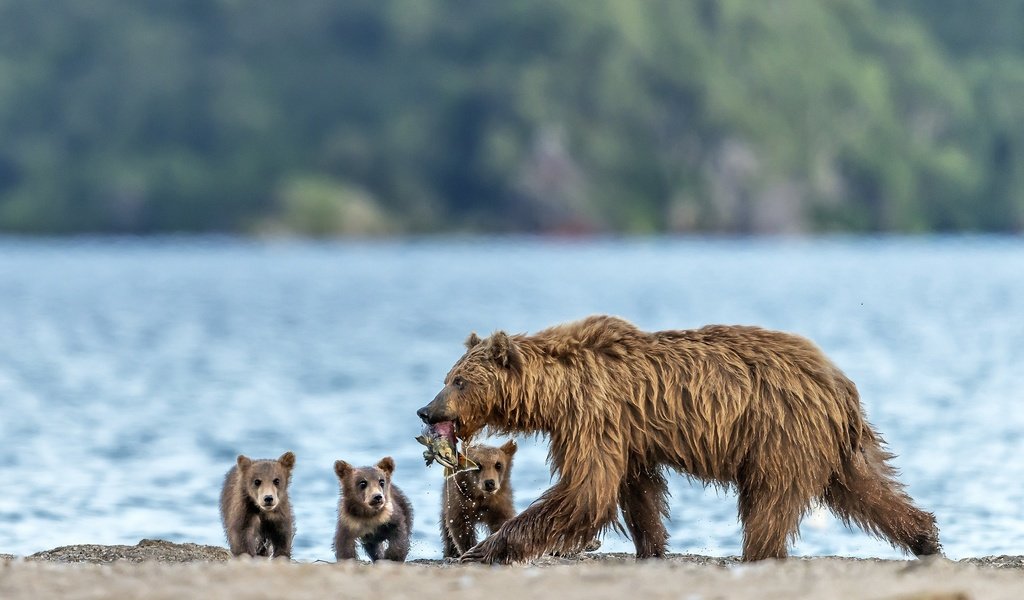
x: 133, y: 371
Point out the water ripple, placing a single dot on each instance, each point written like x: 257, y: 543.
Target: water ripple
x: 133, y: 372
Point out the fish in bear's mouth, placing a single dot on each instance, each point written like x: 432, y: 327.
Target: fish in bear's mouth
x: 446, y: 430
x: 443, y: 447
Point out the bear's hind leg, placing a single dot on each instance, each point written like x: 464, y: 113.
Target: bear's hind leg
x: 642, y: 500
x: 771, y: 516
x: 869, y: 495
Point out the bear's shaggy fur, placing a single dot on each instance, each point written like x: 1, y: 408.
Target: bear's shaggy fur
x: 254, y: 507
x: 762, y: 411
x: 371, y: 511
x: 473, y: 497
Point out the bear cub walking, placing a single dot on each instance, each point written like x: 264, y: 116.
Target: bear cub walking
x: 474, y: 497
x: 254, y: 507
x: 372, y: 511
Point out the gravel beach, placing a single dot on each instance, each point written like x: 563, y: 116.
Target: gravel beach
x: 158, y: 569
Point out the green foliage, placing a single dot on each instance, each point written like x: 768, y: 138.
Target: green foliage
x: 376, y: 116
x: 319, y: 207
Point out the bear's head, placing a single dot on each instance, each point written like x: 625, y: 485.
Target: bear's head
x: 366, y: 491
x: 476, y: 389
x: 495, y: 469
x: 266, y: 481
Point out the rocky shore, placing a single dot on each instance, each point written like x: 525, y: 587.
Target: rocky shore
x: 159, y: 569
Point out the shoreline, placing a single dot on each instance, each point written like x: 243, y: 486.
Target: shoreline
x: 159, y: 569
x: 162, y: 551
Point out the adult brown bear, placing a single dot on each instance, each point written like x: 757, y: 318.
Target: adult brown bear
x: 763, y: 411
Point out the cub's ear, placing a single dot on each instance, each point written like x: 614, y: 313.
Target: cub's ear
x: 387, y: 464
x: 504, y: 351
x: 472, y: 341
x: 287, y: 460
x: 244, y: 462
x: 509, y: 448
x: 342, y: 468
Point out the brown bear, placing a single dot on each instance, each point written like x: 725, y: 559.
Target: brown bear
x: 372, y: 511
x: 254, y: 507
x: 479, y: 496
x: 761, y: 411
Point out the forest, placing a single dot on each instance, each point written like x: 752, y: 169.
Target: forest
x: 385, y: 117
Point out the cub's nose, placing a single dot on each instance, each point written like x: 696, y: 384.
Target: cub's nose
x: 268, y: 500
x: 377, y: 499
x: 490, y: 485
x: 423, y: 415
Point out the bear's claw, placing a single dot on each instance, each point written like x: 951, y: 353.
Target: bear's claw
x: 492, y: 551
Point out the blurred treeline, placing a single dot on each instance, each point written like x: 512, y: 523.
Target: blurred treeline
x: 376, y: 116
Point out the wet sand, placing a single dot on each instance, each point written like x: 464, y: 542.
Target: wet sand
x: 155, y: 569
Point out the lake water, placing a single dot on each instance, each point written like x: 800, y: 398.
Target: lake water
x: 132, y: 372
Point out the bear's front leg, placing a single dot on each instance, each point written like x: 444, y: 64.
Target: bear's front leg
x: 238, y: 541
x: 566, y: 517
x: 280, y: 538
x: 398, y: 545
x: 344, y: 544
x: 493, y: 550
x: 372, y: 549
x: 255, y: 545
x: 462, y: 533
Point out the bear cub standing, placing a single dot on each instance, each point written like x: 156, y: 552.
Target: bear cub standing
x: 473, y: 497
x: 254, y: 507
x: 372, y: 511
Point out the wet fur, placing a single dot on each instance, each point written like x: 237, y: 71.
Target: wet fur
x: 249, y: 529
x: 382, y: 532
x: 762, y: 412
x: 465, y: 503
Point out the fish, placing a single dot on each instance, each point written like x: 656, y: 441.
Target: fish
x: 442, y: 447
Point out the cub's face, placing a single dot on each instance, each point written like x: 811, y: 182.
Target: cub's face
x: 495, y: 467
x: 367, y: 486
x: 473, y: 392
x: 266, y: 481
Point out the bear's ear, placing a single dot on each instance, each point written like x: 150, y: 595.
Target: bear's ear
x: 342, y: 468
x: 287, y: 460
x: 244, y: 462
x: 504, y: 351
x: 387, y: 464
x: 472, y: 341
x: 509, y: 448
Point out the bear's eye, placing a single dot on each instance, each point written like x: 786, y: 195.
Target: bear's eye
x: 381, y: 483
x: 497, y: 466
x: 459, y: 383
x: 256, y: 482
x: 277, y: 482
x: 362, y: 484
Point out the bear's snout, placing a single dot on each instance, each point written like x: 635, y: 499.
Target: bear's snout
x: 268, y: 500
x: 377, y: 500
x: 436, y: 411
x: 490, y: 485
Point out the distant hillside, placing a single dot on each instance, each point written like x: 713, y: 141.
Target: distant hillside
x: 375, y: 117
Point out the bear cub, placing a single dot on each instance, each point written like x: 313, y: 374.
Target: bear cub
x: 254, y: 507
x: 371, y: 511
x: 474, y: 497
